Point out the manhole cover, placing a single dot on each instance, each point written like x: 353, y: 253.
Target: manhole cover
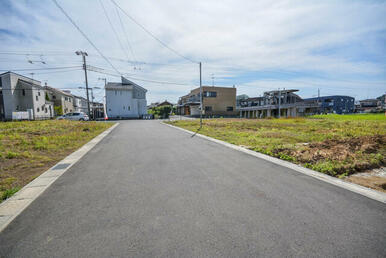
x: 61, y: 166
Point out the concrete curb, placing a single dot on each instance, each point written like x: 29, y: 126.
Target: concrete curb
x: 370, y: 193
x: 13, y: 206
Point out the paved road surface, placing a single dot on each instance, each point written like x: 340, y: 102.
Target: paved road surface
x: 151, y: 190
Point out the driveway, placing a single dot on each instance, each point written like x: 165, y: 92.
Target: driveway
x: 150, y: 190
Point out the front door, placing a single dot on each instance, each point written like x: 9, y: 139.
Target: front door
x: 187, y: 111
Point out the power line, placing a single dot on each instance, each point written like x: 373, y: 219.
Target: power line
x: 125, y: 33
x: 113, y: 29
x: 152, y: 35
x: 101, y: 70
x: 84, y: 35
x: 45, y: 68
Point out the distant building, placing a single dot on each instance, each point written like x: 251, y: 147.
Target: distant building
x: 125, y: 99
x: 80, y: 104
x: 160, y: 104
x: 283, y: 103
x: 24, y: 97
x: 97, y: 110
x: 216, y: 101
x: 334, y: 104
x: 63, y: 101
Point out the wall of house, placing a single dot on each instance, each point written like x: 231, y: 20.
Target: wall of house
x: 20, y: 95
x: 9, y: 83
x: 225, y: 97
x: 120, y: 103
x: 80, y: 105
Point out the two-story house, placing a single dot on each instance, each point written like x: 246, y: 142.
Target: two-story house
x: 23, y: 94
x: 125, y: 99
x: 216, y: 101
x: 63, y: 101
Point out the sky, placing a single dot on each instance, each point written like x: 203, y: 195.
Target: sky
x: 338, y: 47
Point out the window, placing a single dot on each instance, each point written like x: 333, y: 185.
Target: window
x: 120, y: 93
x: 210, y: 94
x: 37, y: 98
x: 38, y: 93
x: 123, y: 107
x: 115, y: 93
x: 38, y: 110
x: 229, y: 108
x: 109, y: 109
x: 1, y: 82
x: 128, y: 108
x: 45, y: 110
x: 23, y: 92
x: 53, y: 97
x: 42, y: 107
x: 208, y: 108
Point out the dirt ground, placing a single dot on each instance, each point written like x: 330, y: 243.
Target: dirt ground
x: 375, y: 179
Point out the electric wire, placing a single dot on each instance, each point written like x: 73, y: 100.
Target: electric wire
x: 113, y: 29
x: 125, y: 33
x: 84, y: 35
x: 152, y: 35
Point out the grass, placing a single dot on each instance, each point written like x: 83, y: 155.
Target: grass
x: 338, y: 145
x: 29, y: 148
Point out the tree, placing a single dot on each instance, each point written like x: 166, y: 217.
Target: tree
x: 58, y: 110
x: 161, y: 112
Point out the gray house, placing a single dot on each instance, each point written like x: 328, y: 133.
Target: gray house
x: 63, y: 101
x: 23, y: 98
x: 125, y: 99
x: 277, y: 103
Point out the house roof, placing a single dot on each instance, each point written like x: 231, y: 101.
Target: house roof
x: 31, y: 84
x: 58, y: 91
x: 124, y: 85
x: 281, y: 91
x: 28, y: 79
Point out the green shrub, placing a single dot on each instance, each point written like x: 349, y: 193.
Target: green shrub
x: 8, y: 193
x: 11, y: 155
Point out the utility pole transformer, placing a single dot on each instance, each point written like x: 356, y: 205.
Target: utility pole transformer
x: 84, y: 54
x: 201, y: 98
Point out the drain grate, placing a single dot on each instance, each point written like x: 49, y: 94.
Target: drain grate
x: 61, y: 166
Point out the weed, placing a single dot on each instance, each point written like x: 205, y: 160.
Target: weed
x: 332, y: 144
x: 8, y: 193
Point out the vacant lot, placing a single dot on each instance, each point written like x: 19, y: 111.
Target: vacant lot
x: 338, y: 145
x: 27, y: 149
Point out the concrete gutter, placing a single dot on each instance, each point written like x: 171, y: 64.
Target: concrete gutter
x: 370, y: 193
x: 12, y: 207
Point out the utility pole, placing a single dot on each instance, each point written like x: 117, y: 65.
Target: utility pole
x: 212, y: 80
x: 104, y: 97
x: 279, y: 101
x: 84, y: 54
x: 200, y: 97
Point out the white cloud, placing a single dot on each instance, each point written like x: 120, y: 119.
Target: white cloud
x: 232, y: 38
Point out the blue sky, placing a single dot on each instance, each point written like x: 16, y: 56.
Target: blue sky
x: 336, y: 46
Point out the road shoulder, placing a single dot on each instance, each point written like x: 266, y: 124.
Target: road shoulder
x: 370, y: 193
x: 12, y: 207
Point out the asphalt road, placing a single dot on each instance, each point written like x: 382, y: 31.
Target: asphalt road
x: 148, y: 190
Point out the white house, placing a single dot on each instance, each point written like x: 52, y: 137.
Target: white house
x: 80, y: 104
x: 22, y: 95
x: 125, y: 99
